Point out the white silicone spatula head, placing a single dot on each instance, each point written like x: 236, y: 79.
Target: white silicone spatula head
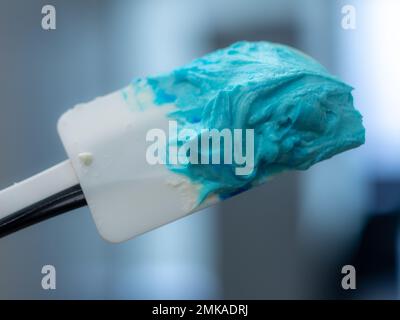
x: 107, y: 142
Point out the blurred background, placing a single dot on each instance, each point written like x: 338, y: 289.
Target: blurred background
x: 287, y: 239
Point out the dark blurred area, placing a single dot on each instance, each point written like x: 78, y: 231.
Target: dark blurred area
x: 288, y: 239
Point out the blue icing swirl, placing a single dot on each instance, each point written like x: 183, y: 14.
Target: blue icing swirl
x: 299, y: 112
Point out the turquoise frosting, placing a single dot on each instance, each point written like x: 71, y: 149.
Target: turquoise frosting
x: 299, y: 112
